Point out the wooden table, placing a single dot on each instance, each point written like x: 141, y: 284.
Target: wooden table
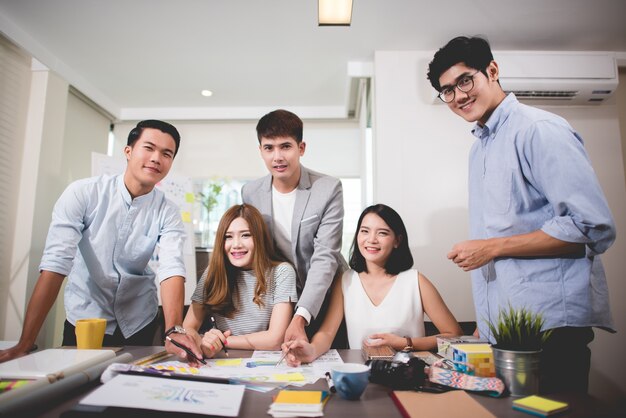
x: 375, y: 401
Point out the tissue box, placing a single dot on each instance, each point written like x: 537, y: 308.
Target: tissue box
x: 478, y: 355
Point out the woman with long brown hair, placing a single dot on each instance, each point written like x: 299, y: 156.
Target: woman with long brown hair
x: 246, y: 292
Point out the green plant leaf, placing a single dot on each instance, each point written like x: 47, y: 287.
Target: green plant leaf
x: 519, y: 330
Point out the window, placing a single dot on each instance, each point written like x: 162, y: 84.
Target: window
x: 214, y: 196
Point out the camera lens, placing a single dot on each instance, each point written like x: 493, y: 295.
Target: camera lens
x: 397, y: 375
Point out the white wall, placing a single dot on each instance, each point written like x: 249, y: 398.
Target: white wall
x: 85, y: 131
x: 230, y: 149
x: 620, y: 96
x: 421, y: 170
x: 41, y: 179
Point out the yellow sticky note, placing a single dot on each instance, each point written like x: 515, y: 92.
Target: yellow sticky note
x: 288, y: 377
x: 186, y: 217
x: 189, y: 197
x: 228, y: 362
x: 540, y: 404
x: 299, y: 396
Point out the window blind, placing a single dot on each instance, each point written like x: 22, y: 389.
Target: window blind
x: 14, y: 93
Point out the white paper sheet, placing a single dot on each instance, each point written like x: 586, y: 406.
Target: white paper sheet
x: 163, y: 394
x: 260, y: 368
x: 326, y: 360
x: 53, y: 361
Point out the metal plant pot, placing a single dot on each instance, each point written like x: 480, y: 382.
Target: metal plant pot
x: 519, y: 370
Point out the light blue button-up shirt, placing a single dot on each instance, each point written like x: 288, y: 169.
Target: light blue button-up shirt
x: 102, y: 240
x: 529, y: 171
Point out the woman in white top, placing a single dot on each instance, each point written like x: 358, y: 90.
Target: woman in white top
x: 382, y: 298
x: 246, y: 290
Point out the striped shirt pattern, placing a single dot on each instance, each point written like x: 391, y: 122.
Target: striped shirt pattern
x: 249, y: 317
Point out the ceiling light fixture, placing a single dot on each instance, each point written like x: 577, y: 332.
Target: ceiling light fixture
x: 334, y: 12
x: 206, y: 93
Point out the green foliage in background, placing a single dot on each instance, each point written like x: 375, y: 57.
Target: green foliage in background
x: 519, y: 330
x: 208, y: 197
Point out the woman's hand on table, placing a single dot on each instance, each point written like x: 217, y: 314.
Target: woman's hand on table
x: 392, y: 340
x: 213, y: 341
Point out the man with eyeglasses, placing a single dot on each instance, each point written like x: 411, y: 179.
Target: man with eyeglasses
x: 538, y: 216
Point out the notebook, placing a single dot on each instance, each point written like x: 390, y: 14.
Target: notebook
x: 455, y: 403
x: 540, y: 406
x: 53, y: 361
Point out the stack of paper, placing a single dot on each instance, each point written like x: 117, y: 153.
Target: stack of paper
x: 298, y: 403
x: 537, y: 405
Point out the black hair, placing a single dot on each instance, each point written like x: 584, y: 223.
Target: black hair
x: 475, y: 52
x: 280, y: 123
x: 164, y: 127
x: 400, y: 258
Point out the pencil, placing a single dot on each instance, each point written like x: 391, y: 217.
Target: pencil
x: 152, y: 358
x: 282, y: 357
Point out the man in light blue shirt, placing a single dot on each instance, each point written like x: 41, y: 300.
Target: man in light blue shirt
x: 538, y: 216
x: 104, y: 230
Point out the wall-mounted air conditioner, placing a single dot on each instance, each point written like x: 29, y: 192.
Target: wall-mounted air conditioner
x: 576, y: 78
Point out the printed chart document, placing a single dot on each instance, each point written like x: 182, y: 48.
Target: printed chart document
x: 260, y: 369
x: 161, y: 394
x: 319, y: 366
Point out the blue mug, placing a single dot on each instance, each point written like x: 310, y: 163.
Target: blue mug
x: 350, y: 379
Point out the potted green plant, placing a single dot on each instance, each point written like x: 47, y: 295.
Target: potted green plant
x: 516, y: 354
x: 208, y: 199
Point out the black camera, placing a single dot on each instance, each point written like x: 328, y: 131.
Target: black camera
x: 396, y: 374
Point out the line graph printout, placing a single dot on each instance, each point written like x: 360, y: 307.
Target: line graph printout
x: 162, y: 394
x: 260, y: 368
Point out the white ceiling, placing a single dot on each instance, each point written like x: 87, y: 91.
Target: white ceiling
x: 151, y: 58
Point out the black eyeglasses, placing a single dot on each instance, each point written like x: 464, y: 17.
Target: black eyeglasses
x: 465, y: 85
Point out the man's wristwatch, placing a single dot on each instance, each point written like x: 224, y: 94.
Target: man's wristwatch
x: 176, y: 329
x: 409, y: 344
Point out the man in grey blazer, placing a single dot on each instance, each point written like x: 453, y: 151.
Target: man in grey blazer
x: 304, y: 212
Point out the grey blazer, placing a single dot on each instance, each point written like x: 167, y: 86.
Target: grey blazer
x: 317, y: 227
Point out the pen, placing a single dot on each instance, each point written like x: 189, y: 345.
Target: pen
x: 282, y: 357
x: 331, y: 384
x: 179, y: 376
x: 214, y: 326
x: 188, y: 351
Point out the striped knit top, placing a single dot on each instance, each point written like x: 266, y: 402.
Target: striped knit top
x: 249, y: 317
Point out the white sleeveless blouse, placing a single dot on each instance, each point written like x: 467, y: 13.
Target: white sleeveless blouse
x: 400, y: 312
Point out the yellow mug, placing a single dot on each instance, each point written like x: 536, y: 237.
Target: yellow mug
x: 90, y: 333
